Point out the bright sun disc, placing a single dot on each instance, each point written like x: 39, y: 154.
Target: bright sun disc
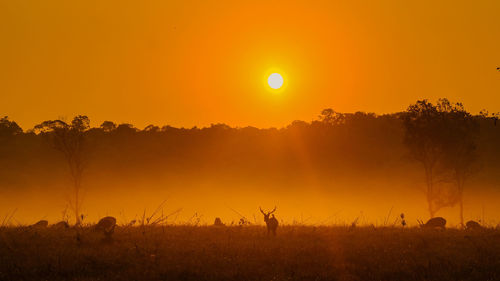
x: 275, y: 81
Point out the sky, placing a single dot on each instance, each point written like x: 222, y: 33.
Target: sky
x: 193, y: 63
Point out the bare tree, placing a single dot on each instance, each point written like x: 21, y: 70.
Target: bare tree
x: 460, y: 153
x: 424, y: 138
x: 69, y: 139
x: 443, y: 138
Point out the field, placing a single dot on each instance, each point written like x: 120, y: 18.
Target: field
x: 247, y: 253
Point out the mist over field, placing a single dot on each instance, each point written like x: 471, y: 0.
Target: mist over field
x: 314, y: 172
x: 282, y: 140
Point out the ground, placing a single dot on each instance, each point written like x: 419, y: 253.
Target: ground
x: 247, y: 253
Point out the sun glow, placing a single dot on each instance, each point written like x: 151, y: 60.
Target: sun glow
x: 275, y: 80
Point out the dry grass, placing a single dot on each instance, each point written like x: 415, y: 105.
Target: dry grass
x: 246, y: 253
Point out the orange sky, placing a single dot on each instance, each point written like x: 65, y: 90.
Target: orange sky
x: 187, y: 63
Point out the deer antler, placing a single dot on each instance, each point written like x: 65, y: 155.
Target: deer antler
x: 273, y: 210
x: 262, y: 211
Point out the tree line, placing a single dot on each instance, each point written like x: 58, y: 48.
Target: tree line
x: 449, y: 143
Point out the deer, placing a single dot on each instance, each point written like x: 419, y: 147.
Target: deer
x: 218, y: 222
x: 437, y: 222
x: 106, y: 225
x: 61, y: 225
x: 40, y: 224
x: 271, y: 222
x: 473, y: 225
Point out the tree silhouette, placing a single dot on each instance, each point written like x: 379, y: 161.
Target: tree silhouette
x: 9, y: 128
x: 355, y: 147
x: 69, y: 139
x: 126, y: 128
x: 443, y: 138
x: 331, y: 117
x: 108, y: 126
x: 460, y: 153
x: 151, y: 129
x: 425, y: 138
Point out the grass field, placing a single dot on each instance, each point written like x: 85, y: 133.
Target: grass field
x: 246, y: 253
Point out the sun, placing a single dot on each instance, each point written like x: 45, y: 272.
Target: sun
x: 275, y: 80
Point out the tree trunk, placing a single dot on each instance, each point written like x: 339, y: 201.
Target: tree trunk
x: 77, y: 200
x: 77, y: 207
x: 461, y: 200
x: 430, y: 192
x: 430, y: 206
x: 461, y: 211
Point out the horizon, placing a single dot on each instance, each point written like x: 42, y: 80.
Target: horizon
x: 97, y: 124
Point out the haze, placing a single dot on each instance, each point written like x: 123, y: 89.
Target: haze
x: 186, y: 65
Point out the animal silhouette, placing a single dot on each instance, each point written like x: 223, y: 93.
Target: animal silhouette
x: 473, y: 225
x: 61, y: 225
x: 437, y: 222
x: 218, y: 222
x: 271, y: 221
x: 40, y: 224
x: 106, y: 225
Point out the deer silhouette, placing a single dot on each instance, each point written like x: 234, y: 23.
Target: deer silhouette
x: 106, y: 225
x: 473, y: 225
x: 437, y: 222
x: 218, y: 222
x: 61, y: 225
x: 40, y: 224
x: 271, y: 221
